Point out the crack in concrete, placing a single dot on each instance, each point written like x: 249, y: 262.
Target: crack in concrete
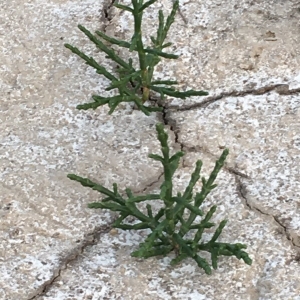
x: 242, y: 192
x: 90, y: 239
x: 150, y: 185
x: 106, y: 12
x: 281, y: 89
x: 181, y: 14
x: 236, y: 172
x: 172, y: 123
x: 293, y: 238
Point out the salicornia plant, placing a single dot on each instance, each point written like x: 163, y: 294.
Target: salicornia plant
x: 174, y: 227
x: 134, y: 84
x: 180, y: 222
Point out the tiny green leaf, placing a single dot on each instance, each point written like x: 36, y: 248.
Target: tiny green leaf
x: 123, y: 7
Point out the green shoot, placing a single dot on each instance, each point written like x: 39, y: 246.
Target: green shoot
x: 134, y: 84
x: 173, y: 227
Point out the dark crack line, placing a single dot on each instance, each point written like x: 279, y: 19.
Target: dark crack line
x: 286, y: 231
x: 197, y: 149
x: 172, y: 123
x: 166, y: 119
x: 150, y: 185
x: 106, y: 10
x: 90, y: 239
x: 181, y: 14
x: 281, y: 89
x: 241, y: 190
x: 173, y: 127
x: 236, y: 172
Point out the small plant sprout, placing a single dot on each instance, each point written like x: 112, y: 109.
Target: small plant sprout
x: 134, y: 84
x: 174, y: 226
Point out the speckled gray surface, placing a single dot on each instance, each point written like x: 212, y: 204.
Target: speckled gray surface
x: 245, y: 53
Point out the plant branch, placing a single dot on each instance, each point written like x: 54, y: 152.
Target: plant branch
x: 169, y: 225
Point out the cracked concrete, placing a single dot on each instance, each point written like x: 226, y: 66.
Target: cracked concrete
x: 90, y: 239
x: 245, y: 53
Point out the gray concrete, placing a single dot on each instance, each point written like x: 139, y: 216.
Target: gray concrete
x: 245, y: 53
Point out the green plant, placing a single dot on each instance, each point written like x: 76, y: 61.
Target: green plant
x: 134, y: 84
x: 175, y: 226
x: 170, y: 228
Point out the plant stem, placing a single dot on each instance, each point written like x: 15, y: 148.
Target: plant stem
x: 137, y: 40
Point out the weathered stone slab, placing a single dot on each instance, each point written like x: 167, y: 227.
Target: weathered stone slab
x: 245, y: 54
x: 106, y: 271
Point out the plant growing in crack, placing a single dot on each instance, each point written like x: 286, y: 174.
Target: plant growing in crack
x: 170, y: 228
x: 134, y: 84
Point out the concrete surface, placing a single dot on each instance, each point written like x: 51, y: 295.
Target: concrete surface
x: 245, y: 53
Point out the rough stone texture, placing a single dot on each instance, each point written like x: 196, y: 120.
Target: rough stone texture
x: 245, y: 53
x: 108, y: 272
x: 44, y: 218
